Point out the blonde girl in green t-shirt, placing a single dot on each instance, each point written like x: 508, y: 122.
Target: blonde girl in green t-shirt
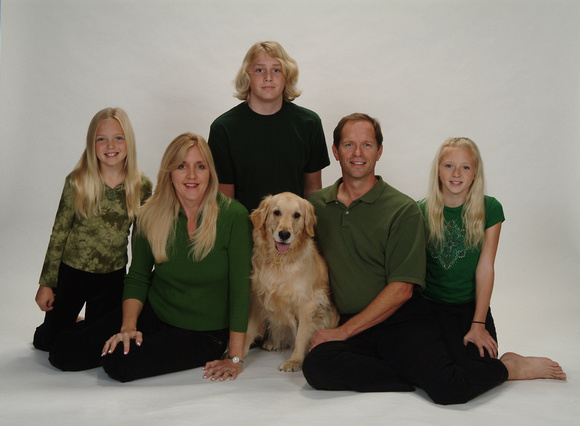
x: 461, y: 251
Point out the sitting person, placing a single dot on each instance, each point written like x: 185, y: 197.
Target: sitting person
x: 464, y: 227
x: 187, y: 291
x: 87, y: 255
x: 373, y: 239
x: 463, y: 235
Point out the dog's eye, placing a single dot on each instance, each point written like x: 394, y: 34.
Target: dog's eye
x: 276, y: 212
x: 296, y: 215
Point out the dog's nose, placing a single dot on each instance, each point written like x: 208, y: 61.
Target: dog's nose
x: 284, y: 235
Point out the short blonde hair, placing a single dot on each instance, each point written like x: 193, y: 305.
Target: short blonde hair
x: 158, y: 216
x: 474, y: 208
x: 86, y: 178
x: 275, y: 51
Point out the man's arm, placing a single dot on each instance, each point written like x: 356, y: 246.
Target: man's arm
x: 391, y: 298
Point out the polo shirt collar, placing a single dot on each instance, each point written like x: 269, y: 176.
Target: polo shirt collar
x: 369, y: 198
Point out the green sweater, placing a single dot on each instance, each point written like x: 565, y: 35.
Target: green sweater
x: 211, y: 294
x: 97, y: 244
x: 378, y: 239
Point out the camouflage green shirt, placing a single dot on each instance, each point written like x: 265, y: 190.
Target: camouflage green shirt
x: 97, y: 244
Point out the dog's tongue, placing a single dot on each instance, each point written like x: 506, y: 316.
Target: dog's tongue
x: 282, y: 247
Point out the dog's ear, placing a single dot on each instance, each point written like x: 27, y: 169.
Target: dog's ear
x: 309, y: 218
x: 259, y: 215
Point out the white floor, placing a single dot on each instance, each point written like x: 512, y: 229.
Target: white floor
x: 33, y: 392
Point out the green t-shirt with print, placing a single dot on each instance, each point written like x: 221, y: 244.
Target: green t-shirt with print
x: 450, y: 275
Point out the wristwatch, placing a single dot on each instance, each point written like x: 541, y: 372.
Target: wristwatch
x: 236, y: 360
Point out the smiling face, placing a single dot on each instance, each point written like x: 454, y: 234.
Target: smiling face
x: 267, y: 81
x: 456, y: 174
x: 110, y: 145
x: 191, y: 179
x: 358, y: 151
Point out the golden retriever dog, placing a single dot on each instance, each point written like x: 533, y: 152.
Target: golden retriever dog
x: 290, y: 296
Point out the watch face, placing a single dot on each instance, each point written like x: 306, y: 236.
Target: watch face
x: 235, y: 360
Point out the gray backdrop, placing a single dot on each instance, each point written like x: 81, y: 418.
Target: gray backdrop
x: 505, y: 73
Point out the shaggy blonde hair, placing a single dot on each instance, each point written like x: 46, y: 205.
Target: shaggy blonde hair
x: 158, y: 217
x: 275, y: 51
x: 87, y: 183
x: 473, y: 209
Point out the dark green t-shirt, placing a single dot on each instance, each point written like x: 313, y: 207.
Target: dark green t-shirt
x: 378, y: 239
x: 267, y: 154
x: 451, y: 271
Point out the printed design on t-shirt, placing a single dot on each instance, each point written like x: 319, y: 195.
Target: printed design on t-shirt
x: 454, y: 247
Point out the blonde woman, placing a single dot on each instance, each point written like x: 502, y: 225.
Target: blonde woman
x: 187, y: 291
x: 267, y: 144
x: 87, y: 252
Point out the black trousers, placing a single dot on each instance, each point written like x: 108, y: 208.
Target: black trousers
x: 165, y: 349
x: 101, y: 292
x: 454, y: 322
x: 403, y: 352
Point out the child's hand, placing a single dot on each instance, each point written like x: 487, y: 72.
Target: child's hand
x: 481, y: 338
x: 45, y: 298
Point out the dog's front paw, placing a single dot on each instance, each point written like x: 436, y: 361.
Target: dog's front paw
x: 291, y: 366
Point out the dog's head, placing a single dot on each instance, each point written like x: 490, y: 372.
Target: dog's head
x: 283, y: 220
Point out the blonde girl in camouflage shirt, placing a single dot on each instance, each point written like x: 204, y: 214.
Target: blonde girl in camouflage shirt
x: 87, y: 253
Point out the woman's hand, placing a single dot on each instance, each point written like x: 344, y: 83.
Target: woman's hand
x: 124, y: 337
x: 481, y: 338
x: 44, y: 298
x: 222, y: 369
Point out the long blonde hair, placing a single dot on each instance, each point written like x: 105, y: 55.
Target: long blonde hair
x: 473, y: 209
x: 86, y: 180
x: 275, y: 51
x: 158, y: 217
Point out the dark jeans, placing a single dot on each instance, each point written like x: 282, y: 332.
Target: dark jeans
x: 165, y: 349
x: 404, y: 351
x: 454, y: 322
x: 101, y: 292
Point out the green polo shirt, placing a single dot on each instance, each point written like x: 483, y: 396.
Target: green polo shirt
x: 378, y: 239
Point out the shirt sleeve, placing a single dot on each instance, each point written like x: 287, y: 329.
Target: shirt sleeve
x: 240, y: 268
x: 146, y: 188
x: 493, y: 212
x: 318, y: 150
x: 138, y: 280
x: 218, y: 142
x: 405, y: 255
x: 62, y: 225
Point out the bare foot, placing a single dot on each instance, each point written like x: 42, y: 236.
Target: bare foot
x: 531, y: 367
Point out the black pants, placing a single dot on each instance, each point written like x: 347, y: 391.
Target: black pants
x: 101, y: 292
x: 454, y: 322
x: 405, y: 351
x: 165, y: 349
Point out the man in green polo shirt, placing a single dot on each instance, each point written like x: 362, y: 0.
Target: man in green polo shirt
x: 373, y: 239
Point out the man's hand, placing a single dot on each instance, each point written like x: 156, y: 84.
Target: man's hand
x: 327, y: 335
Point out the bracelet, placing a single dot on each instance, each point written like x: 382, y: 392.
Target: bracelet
x: 478, y: 322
